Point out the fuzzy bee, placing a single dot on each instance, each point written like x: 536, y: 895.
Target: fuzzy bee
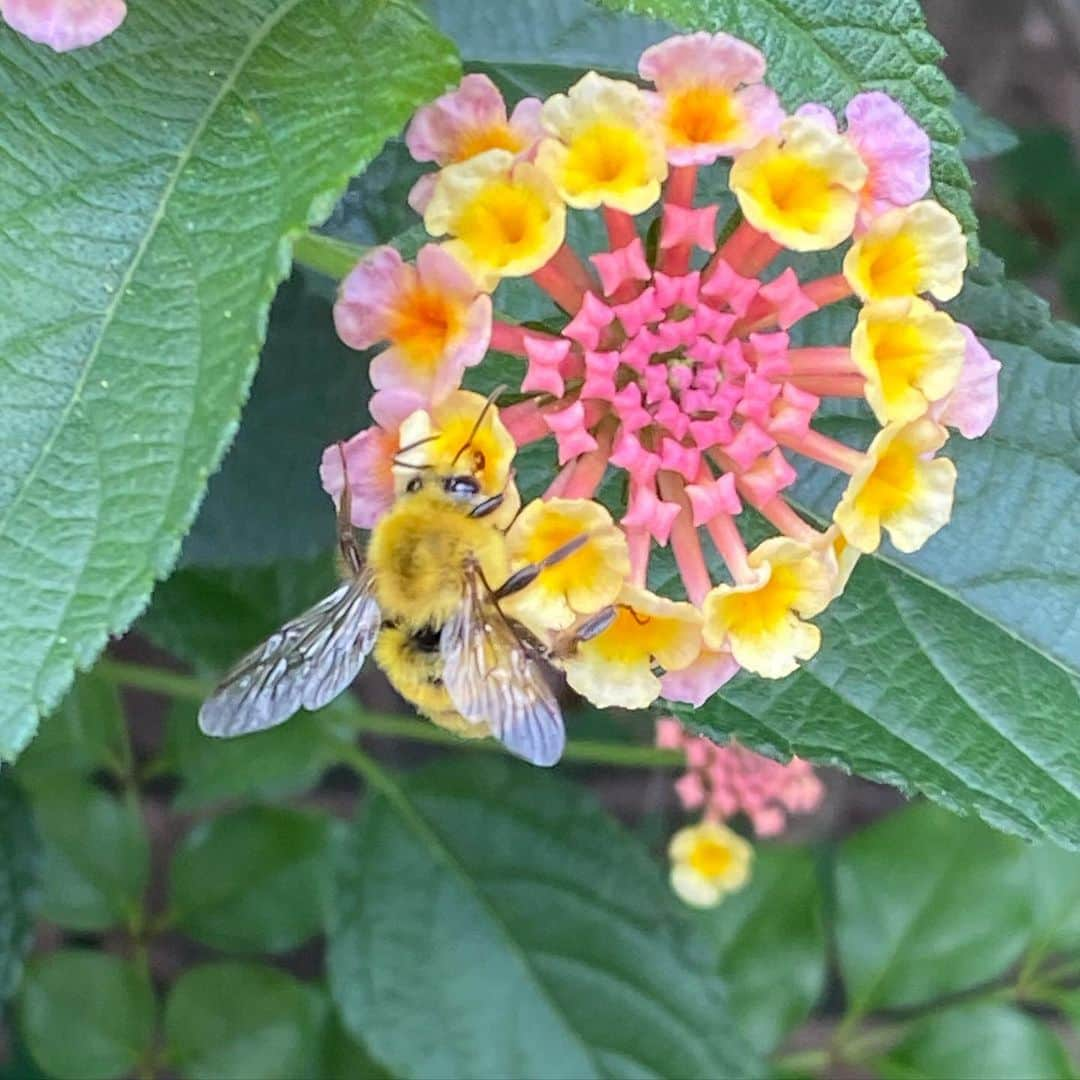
x: 426, y: 600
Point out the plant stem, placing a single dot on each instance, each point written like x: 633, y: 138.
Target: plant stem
x: 332, y: 257
x: 346, y: 711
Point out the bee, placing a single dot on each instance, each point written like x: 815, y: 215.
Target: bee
x: 426, y: 601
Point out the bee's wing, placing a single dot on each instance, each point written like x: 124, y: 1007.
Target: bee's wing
x: 492, y: 677
x: 308, y: 662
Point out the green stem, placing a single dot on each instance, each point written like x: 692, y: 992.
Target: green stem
x: 804, y: 1061
x: 332, y: 257
x: 348, y: 712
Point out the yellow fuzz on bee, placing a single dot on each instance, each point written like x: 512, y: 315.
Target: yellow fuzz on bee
x: 708, y: 861
x: 615, y: 669
x: 417, y: 677
x: 442, y: 440
x: 899, y: 487
x: 906, y: 251
x: 504, y: 217
x: 801, y: 186
x: 910, y: 353
x: 606, y: 149
x: 580, y: 584
x: 759, y: 620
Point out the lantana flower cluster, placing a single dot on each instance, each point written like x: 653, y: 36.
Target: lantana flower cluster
x: 676, y: 360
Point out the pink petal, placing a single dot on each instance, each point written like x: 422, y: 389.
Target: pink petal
x: 390, y: 408
x: 716, y: 59
x: 369, y: 458
x: 697, y: 683
x: 435, y: 130
x: 420, y: 193
x: 821, y: 114
x: 973, y: 404
x: 670, y: 734
x: 367, y: 296
x: 691, y: 791
x: 64, y: 24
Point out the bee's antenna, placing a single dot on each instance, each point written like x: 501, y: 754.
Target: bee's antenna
x: 412, y: 446
x: 492, y: 398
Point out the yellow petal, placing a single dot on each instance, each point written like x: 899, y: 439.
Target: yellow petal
x: 708, y: 861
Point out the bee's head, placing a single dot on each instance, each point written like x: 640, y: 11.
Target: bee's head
x: 461, y: 487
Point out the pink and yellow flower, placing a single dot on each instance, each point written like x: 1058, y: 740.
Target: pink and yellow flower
x: 801, y: 186
x: 64, y: 25
x: 464, y: 122
x: 434, y: 319
x: 900, y: 487
x: 761, y: 619
x: 369, y: 460
x: 708, y: 861
x: 615, y: 668
x: 911, y: 355
x: 710, y: 97
x: 580, y: 584
x: 605, y: 146
x: 908, y: 251
x: 973, y: 403
x: 503, y: 216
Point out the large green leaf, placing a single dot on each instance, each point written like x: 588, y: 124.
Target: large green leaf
x: 909, y: 928
x: 252, y: 881
x: 154, y: 187
x: 992, y: 1042
x: 955, y: 672
x: 18, y: 883
x: 774, y: 924
x: 504, y: 903
x: 830, y: 52
x: 86, y: 1014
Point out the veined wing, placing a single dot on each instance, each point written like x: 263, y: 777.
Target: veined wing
x: 307, y: 663
x: 492, y: 677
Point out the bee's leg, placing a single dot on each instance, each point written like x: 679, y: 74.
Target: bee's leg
x: 347, y: 542
x: 565, y: 644
x: 528, y: 574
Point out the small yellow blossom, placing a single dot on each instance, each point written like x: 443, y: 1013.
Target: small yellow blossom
x: 900, y: 488
x: 760, y: 620
x: 846, y: 555
x: 801, y: 186
x: 708, y: 861
x: 616, y: 667
x: 910, y: 250
x: 607, y: 147
x: 579, y: 584
x: 910, y: 353
x: 436, y: 438
x: 504, y: 216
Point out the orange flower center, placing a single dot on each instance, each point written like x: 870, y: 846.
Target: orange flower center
x: 889, y: 487
x: 710, y: 858
x: 423, y: 324
x: 702, y: 114
x: 478, y: 140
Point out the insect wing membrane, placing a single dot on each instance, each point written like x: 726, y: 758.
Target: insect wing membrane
x: 491, y: 677
x: 308, y: 662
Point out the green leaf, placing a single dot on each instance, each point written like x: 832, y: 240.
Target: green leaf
x: 955, y: 672
x: 87, y: 732
x: 155, y: 190
x: 985, y: 136
x: 1053, y: 878
x: 233, y: 1021
x: 252, y: 881
x: 829, y: 52
x: 927, y: 904
x: 95, y: 857
x: 992, y: 1042
x: 267, y: 765
x: 504, y: 902
x: 18, y: 883
x: 86, y: 1014
x: 343, y: 1058
x: 267, y: 503
x: 773, y: 925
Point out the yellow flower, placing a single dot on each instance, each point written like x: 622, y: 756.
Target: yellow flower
x: 616, y: 667
x: 912, y: 249
x: 580, y: 584
x: 910, y: 353
x: 436, y: 438
x: 607, y: 148
x: 708, y: 861
x: 504, y: 216
x: 846, y: 555
x: 801, y: 186
x: 899, y: 488
x: 760, y: 619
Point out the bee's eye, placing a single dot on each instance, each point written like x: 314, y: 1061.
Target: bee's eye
x: 478, y: 460
x: 414, y: 484
x: 461, y: 485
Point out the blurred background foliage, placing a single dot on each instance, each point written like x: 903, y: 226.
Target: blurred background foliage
x: 181, y: 898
